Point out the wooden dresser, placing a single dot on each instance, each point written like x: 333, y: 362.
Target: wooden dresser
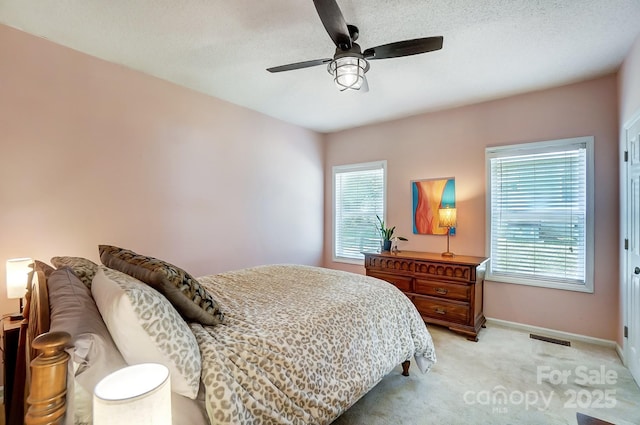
x: 446, y: 291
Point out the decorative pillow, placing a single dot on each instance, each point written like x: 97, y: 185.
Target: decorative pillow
x: 43, y: 267
x: 83, y: 268
x: 183, y: 291
x: 147, y: 329
x: 93, y: 355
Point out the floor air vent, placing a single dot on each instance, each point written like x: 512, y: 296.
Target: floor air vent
x: 551, y: 340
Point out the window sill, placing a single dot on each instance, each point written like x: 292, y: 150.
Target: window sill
x: 540, y: 283
x: 356, y: 261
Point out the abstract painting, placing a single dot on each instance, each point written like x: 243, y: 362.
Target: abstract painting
x: 428, y: 197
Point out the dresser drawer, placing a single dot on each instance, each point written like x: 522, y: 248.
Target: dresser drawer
x: 449, y: 271
x: 403, y: 283
x: 442, y: 310
x: 389, y: 264
x: 450, y: 291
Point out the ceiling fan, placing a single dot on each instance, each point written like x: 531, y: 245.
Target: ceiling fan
x: 350, y: 63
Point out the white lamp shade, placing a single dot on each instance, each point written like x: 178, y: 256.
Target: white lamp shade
x: 138, y: 394
x: 447, y: 217
x: 18, y: 270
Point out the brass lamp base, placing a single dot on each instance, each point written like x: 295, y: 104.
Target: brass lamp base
x: 448, y: 253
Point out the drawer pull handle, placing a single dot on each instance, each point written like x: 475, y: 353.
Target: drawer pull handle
x: 440, y: 311
x: 442, y: 291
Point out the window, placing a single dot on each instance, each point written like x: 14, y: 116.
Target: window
x: 359, y: 193
x: 540, y: 213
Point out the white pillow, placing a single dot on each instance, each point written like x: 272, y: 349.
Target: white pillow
x: 147, y: 329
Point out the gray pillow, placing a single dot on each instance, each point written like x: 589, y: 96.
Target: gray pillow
x: 94, y: 355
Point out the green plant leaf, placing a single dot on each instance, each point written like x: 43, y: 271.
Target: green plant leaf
x: 386, y: 233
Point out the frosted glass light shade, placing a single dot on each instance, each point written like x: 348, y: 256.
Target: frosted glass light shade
x: 138, y: 394
x: 348, y: 72
x: 18, y: 270
x: 447, y: 217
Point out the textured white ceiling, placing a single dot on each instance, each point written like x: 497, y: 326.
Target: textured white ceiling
x: 492, y: 48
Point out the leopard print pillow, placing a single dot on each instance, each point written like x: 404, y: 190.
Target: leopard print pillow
x: 83, y: 268
x: 186, y: 294
x: 147, y: 329
x: 44, y: 268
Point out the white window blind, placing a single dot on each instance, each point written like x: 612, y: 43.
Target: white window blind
x: 540, y: 231
x: 359, y: 194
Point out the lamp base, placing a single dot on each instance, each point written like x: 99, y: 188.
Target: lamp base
x: 448, y: 253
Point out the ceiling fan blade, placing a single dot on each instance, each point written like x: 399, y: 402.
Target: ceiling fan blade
x: 404, y: 48
x: 334, y: 22
x: 299, y: 65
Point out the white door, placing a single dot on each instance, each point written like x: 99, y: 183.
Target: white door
x: 631, y: 268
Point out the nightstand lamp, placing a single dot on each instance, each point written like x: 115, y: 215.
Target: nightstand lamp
x: 447, y: 218
x: 18, y: 270
x: 139, y: 394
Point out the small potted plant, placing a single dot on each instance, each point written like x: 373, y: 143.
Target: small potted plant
x: 386, y: 234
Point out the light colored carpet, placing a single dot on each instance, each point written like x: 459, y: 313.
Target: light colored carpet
x: 505, y: 378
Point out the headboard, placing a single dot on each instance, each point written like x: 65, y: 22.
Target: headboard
x: 36, y: 310
x: 41, y: 369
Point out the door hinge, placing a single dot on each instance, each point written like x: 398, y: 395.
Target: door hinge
x: 626, y: 156
x: 626, y: 244
x: 626, y: 332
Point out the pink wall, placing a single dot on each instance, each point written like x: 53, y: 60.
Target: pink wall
x: 93, y: 152
x: 451, y: 143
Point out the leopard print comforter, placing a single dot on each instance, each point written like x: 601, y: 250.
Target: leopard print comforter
x: 301, y: 344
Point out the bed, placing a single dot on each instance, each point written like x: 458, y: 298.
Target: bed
x: 273, y: 344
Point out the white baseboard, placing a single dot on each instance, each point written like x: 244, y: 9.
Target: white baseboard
x: 555, y: 334
x: 620, y: 352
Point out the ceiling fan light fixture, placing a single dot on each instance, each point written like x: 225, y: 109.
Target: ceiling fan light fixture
x: 348, y: 72
x: 350, y: 64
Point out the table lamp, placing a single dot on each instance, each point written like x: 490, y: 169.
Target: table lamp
x: 138, y: 394
x: 447, y: 218
x: 18, y: 270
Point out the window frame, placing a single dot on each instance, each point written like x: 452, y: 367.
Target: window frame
x: 363, y: 166
x: 543, y: 147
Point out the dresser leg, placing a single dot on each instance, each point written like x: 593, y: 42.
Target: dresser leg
x: 470, y: 334
x: 405, y: 368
